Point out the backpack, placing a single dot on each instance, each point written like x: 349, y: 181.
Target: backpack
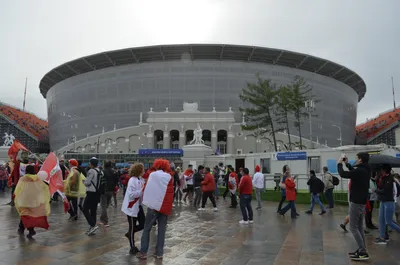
x: 335, y: 180
x: 101, y: 182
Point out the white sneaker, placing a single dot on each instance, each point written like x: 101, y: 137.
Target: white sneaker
x: 93, y: 230
x: 244, y: 222
x: 201, y: 209
x: 215, y: 209
x: 251, y: 221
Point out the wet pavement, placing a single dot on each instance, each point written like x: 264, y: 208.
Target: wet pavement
x: 194, y: 238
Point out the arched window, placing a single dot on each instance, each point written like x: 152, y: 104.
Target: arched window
x: 174, y: 136
x: 189, y: 136
x: 222, y: 136
x: 207, y: 137
x: 158, y: 139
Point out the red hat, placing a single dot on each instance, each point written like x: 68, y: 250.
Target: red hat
x: 73, y: 162
x: 257, y: 169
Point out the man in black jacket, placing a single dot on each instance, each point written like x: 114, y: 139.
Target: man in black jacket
x: 197, y: 179
x: 316, y: 187
x: 359, y: 190
x: 111, y: 180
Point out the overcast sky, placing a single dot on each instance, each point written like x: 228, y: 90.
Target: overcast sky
x: 39, y: 35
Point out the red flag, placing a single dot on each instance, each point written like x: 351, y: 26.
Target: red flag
x: 52, y: 169
x: 14, y: 149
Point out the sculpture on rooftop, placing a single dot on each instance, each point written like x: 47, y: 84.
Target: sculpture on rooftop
x: 8, y: 139
x: 190, y: 107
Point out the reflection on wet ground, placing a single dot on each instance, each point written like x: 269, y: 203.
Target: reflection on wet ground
x: 193, y: 238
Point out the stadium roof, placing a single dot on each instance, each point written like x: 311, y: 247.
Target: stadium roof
x: 203, y: 52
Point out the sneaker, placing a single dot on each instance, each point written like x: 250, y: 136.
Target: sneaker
x: 201, y: 209
x: 215, y: 209
x: 20, y: 231
x: 353, y: 254
x: 309, y: 212
x: 367, y: 233
x: 141, y: 256
x: 134, y: 251
x: 387, y: 239
x: 87, y: 232
x: 322, y: 213
x: 106, y: 225
x: 244, y: 222
x: 344, y: 228
x: 251, y: 221
x: 93, y: 230
x: 360, y: 256
x: 380, y: 241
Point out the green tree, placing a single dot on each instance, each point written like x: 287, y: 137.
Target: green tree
x: 301, y: 92
x: 260, y: 97
x: 283, y: 101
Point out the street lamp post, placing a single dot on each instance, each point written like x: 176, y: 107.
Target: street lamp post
x: 310, y: 106
x: 340, y: 133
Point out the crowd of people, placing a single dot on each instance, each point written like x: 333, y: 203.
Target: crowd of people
x: 163, y: 185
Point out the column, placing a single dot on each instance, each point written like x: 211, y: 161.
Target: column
x: 214, y: 141
x: 150, y: 140
x: 166, y: 141
x: 229, y: 143
x: 182, y: 139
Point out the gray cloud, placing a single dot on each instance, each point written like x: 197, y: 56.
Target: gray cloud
x: 39, y: 35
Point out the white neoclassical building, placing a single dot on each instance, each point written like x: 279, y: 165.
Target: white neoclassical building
x: 173, y: 130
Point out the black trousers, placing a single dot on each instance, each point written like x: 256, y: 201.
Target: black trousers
x: 368, y: 215
x: 73, y: 209
x: 136, y: 224
x: 226, y: 190
x: 90, y: 207
x: 210, y: 195
x: 283, y: 199
x: 234, y: 202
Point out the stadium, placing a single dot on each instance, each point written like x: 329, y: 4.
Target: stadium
x: 30, y: 130
x: 107, y: 92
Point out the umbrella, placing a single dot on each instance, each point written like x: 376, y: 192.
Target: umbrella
x: 376, y: 160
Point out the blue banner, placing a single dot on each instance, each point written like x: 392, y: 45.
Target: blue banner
x: 291, y: 156
x: 397, y: 155
x: 161, y: 152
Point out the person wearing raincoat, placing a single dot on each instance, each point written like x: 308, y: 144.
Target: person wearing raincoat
x: 74, y: 188
x: 32, y: 201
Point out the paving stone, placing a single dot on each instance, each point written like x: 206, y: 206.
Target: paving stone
x: 205, y: 238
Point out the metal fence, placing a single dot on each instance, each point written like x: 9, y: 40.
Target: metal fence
x: 271, y: 182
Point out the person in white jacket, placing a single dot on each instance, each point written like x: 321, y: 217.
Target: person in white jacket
x: 258, y: 184
x: 132, y: 204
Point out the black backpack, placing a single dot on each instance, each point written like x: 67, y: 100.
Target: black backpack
x: 335, y: 180
x: 101, y: 182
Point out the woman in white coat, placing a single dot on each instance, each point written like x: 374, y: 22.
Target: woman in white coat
x: 132, y: 204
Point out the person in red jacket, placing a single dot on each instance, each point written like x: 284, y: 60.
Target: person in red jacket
x: 208, y: 188
x: 246, y: 192
x: 290, y: 195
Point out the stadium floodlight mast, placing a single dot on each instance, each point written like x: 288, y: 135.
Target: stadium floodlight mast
x: 310, y: 106
x: 340, y: 133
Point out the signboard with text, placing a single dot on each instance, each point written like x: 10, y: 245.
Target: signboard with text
x: 281, y: 156
x: 161, y: 152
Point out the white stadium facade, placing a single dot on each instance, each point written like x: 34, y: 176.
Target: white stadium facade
x: 124, y: 101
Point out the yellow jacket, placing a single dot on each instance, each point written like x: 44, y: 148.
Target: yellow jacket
x: 73, y: 184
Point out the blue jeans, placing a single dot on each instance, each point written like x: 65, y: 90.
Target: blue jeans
x: 329, y: 197
x: 386, y: 211
x: 315, y: 199
x: 151, y: 217
x: 245, y: 207
x: 216, y: 190
x: 291, y: 205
